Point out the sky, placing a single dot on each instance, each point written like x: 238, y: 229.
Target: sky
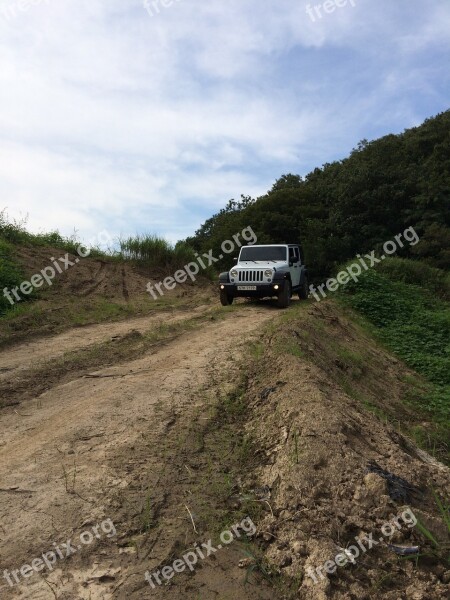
x: 125, y: 116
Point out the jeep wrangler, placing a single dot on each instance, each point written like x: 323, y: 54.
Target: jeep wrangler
x: 274, y: 270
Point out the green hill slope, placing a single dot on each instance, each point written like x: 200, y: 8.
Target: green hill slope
x: 354, y: 205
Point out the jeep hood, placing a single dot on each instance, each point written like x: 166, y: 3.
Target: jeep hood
x: 261, y: 264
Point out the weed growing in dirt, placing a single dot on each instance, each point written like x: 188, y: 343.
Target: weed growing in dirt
x: 437, y: 550
x: 296, y: 450
x: 256, y: 350
x: 147, y: 515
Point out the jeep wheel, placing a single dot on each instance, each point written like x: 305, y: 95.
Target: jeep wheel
x: 225, y: 299
x: 303, y: 291
x: 284, y: 298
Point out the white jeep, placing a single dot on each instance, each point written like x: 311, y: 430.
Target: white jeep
x: 265, y: 272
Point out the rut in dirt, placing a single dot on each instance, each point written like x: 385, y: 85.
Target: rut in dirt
x: 81, y: 450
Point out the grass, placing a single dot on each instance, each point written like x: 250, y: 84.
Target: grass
x: 256, y: 350
x: 413, y: 321
x: 155, y: 251
x: 147, y: 250
x: 437, y: 550
x: 147, y: 517
x: 11, y: 274
x: 15, y: 232
x: 219, y: 451
x: 348, y: 385
x: 407, y: 271
x: 291, y: 348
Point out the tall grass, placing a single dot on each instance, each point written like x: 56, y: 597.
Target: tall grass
x: 148, y: 249
x: 15, y: 232
x: 10, y: 273
x: 156, y: 252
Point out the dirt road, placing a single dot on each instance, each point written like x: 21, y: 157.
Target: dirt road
x: 116, y: 472
x: 101, y: 447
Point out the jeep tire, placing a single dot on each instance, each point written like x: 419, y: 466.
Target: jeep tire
x: 225, y: 299
x: 303, y: 291
x: 284, y: 298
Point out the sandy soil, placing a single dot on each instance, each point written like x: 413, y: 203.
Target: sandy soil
x: 126, y: 446
x: 30, y: 354
x: 67, y: 456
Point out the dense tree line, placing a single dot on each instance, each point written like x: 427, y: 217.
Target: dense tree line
x: 354, y: 205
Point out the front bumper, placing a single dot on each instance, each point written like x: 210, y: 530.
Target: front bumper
x: 263, y: 290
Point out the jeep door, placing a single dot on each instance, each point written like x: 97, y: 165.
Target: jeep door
x: 294, y: 265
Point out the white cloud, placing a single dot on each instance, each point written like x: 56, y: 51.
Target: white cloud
x: 112, y: 118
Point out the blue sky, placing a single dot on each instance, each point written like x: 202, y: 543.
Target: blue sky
x: 118, y: 117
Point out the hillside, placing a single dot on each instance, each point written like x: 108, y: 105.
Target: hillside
x: 103, y: 286
x: 308, y: 447
x: 354, y: 205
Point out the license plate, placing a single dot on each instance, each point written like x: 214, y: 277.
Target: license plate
x: 246, y: 288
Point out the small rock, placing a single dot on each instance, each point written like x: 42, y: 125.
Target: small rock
x: 299, y: 548
x: 413, y: 593
x: 375, y: 484
x: 245, y: 562
x: 285, y: 514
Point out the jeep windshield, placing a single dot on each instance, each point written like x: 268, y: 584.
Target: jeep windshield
x: 263, y: 253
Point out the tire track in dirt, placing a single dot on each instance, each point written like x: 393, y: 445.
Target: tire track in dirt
x: 30, y: 354
x: 60, y: 450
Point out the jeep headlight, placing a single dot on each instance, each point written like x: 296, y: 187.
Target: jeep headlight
x: 234, y: 273
x: 268, y: 272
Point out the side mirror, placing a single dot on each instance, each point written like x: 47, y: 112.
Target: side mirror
x: 235, y: 259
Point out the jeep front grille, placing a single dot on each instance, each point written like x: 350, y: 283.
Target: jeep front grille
x: 251, y: 276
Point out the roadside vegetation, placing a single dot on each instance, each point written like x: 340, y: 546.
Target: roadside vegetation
x: 155, y: 251
x: 15, y: 233
x: 403, y: 304
x: 10, y: 272
x: 148, y: 253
